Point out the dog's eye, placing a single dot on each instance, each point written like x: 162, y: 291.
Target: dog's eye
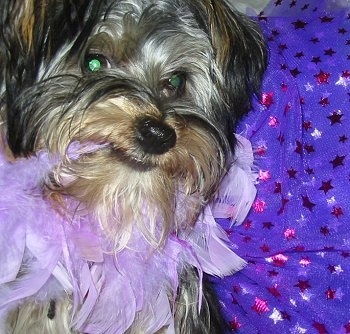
x: 95, y: 63
x: 174, y: 85
x: 177, y: 81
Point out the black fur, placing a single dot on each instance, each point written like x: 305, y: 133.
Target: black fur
x: 56, y: 22
x: 64, y: 21
x: 209, y: 320
x: 26, y: 99
x: 51, y: 313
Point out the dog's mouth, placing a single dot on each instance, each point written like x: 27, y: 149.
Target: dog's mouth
x: 77, y: 149
x: 153, y: 140
x: 125, y: 139
x: 136, y: 159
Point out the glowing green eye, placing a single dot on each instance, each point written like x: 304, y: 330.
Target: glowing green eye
x: 95, y: 62
x: 94, y: 65
x: 174, y: 85
x: 176, y: 80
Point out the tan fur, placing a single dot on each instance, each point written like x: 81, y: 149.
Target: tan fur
x: 224, y: 29
x: 28, y: 22
x: 23, y: 12
x: 118, y: 194
x: 58, y: 104
x: 31, y: 318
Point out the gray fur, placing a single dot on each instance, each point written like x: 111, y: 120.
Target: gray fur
x: 49, y: 99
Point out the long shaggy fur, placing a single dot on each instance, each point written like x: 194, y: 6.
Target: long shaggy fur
x: 159, y: 149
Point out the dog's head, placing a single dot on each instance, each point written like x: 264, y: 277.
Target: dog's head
x: 155, y: 87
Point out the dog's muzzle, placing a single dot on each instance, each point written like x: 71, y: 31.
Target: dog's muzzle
x: 154, y: 136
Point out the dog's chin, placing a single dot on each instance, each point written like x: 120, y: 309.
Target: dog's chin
x: 131, y: 168
x: 130, y: 191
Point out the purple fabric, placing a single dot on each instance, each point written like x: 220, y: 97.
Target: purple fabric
x: 297, y: 237
x: 64, y: 254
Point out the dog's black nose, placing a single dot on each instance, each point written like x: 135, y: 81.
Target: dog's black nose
x: 154, y: 136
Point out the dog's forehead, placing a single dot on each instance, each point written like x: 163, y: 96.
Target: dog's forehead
x: 169, y: 13
x: 139, y: 6
x: 154, y: 32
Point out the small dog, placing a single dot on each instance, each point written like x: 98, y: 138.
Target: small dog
x: 124, y: 112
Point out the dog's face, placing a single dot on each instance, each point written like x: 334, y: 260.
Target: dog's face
x: 149, y: 90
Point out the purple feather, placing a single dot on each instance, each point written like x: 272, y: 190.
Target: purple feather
x: 56, y: 256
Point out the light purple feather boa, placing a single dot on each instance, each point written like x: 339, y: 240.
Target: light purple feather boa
x: 109, y: 289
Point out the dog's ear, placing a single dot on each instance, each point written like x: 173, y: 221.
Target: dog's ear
x: 32, y: 32
x: 240, y: 51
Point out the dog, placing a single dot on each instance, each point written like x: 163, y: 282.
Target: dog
x: 119, y: 117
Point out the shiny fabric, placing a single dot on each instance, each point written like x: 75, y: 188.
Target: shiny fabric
x: 297, y: 237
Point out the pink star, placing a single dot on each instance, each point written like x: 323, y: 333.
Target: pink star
x: 322, y: 77
x: 260, y: 306
x: 289, y: 233
x: 267, y: 99
x: 247, y: 224
x: 261, y: 150
x: 264, y: 175
x: 273, y: 290
x: 278, y: 260
x: 330, y: 293
x: 337, y: 211
x: 235, y: 325
x: 259, y: 205
x: 305, y: 261
x: 273, y: 122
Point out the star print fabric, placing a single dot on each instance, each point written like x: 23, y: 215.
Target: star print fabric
x: 296, y: 239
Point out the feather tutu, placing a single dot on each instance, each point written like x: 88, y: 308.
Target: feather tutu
x: 45, y: 255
